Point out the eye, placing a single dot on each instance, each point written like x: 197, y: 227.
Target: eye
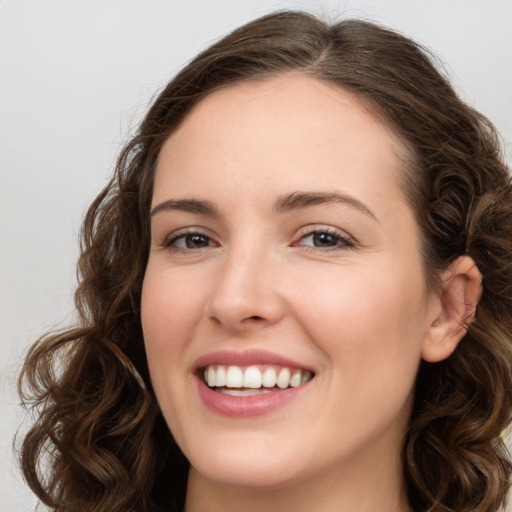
x: 325, y: 239
x: 189, y: 241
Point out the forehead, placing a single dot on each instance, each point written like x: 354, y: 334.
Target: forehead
x: 291, y: 126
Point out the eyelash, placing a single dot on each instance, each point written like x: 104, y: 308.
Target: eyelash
x: 171, y: 240
x: 342, y: 242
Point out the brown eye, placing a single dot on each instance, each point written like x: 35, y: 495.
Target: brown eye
x: 189, y: 241
x: 196, y: 241
x: 325, y: 240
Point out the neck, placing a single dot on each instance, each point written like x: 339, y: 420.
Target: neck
x: 352, y: 488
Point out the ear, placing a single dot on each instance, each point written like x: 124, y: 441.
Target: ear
x: 461, y: 288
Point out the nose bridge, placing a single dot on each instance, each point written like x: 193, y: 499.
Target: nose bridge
x: 247, y: 288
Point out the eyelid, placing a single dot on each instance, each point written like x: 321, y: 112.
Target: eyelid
x: 349, y: 241
x: 183, y: 232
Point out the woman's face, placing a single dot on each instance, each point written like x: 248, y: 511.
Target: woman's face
x: 284, y: 248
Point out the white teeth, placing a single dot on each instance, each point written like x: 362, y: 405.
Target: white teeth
x: 244, y: 392
x: 221, y: 376
x: 306, y: 375
x: 283, y: 379
x: 234, y: 377
x: 269, y: 377
x: 211, y: 376
x: 295, y: 379
x: 252, y: 378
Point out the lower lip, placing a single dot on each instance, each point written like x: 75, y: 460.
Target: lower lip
x: 246, y: 406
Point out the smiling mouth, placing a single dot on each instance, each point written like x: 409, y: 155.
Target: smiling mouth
x: 253, y: 380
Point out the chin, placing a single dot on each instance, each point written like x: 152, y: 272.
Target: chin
x: 245, y: 475
x: 243, y: 468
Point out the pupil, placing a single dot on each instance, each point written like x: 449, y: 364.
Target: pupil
x: 194, y: 241
x: 323, y: 239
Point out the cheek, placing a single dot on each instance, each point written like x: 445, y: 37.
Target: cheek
x: 170, y: 314
x: 370, y: 323
x: 170, y: 308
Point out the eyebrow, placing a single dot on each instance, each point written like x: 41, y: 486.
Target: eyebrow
x: 298, y: 200
x: 186, y: 205
x: 285, y: 203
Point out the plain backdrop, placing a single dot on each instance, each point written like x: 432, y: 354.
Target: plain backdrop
x: 76, y: 77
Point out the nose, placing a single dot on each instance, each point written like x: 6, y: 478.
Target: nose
x: 247, y: 294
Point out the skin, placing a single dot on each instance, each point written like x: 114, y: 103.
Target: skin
x: 353, y: 305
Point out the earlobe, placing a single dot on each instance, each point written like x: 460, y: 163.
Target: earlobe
x: 461, y: 288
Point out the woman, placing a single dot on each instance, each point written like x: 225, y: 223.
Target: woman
x: 279, y: 292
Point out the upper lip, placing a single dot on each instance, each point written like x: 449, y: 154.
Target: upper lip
x: 247, y: 358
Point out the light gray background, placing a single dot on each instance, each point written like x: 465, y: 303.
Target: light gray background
x: 76, y: 76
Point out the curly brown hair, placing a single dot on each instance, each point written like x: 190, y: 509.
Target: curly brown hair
x: 99, y: 442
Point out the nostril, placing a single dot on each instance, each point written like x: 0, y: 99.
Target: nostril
x: 254, y: 318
